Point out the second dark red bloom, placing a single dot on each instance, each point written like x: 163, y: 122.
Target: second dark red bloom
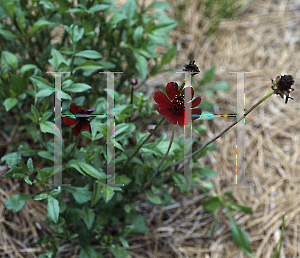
x: 83, y: 122
x: 172, y: 107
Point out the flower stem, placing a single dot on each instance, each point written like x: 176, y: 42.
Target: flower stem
x: 145, y: 140
x: 160, y: 164
x: 233, y: 124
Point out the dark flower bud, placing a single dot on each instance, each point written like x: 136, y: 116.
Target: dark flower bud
x: 134, y: 81
x: 100, y: 13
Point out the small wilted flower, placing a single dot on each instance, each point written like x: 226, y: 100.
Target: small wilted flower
x: 83, y: 122
x: 282, y: 85
x: 191, y: 67
x: 172, y: 107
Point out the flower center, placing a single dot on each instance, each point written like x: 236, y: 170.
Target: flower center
x: 178, y: 102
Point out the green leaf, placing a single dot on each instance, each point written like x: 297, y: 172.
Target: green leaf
x: 164, y: 26
x: 206, y: 105
x: 40, y: 197
x: 98, y: 8
x: 124, y: 129
x: 15, y: 172
x: 66, y: 51
x: 57, y: 58
x: 138, y: 221
x: 48, y: 5
x: 200, y: 128
x: 88, y: 217
x: 10, y: 7
x: 45, y: 117
x: 211, y: 204
x: 17, y: 85
x: 222, y: 85
x: 237, y: 207
x: 88, y: 251
x: 119, y: 252
x: 74, y: 32
x: 153, y: 197
x: 108, y: 192
x: 90, y: 170
x: 169, y: 56
x: 91, y: 54
x: 9, y: 103
x: 17, y: 201
x: 78, y: 87
x: 37, y: 25
x: 46, y: 155
x: 41, y: 82
x: 141, y: 65
x: 48, y: 127
x: 8, y: 34
x: 11, y: 159
x: 80, y: 194
x: 159, y: 5
x: 228, y: 193
x: 96, y: 194
x: 27, y: 67
x: 75, y: 10
x: 207, y: 76
x: 11, y: 59
x: 20, y: 17
x: 30, y: 166
x: 204, y: 172
x: 53, y: 208
x: 138, y: 35
x: 239, y: 236
x: 129, y: 9
x: 89, y: 65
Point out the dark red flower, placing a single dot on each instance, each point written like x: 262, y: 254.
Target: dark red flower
x: 282, y: 85
x: 173, y: 107
x: 83, y: 122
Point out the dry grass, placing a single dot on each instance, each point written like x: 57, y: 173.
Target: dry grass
x: 264, y: 39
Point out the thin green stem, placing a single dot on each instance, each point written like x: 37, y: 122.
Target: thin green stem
x: 233, y: 124
x: 145, y: 140
x: 160, y: 164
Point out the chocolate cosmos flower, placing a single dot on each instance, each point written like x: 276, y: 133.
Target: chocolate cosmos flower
x: 83, y: 122
x: 283, y: 85
x: 173, y: 107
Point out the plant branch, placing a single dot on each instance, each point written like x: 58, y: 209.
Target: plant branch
x: 160, y: 164
x: 145, y: 140
x: 233, y: 124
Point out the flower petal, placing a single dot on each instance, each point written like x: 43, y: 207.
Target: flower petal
x: 181, y: 120
x: 73, y: 108
x: 162, y: 110
x: 172, y: 118
x: 69, y: 121
x: 196, y: 102
x: 162, y: 100
x: 76, y: 130
x: 172, y: 90
x: 85, y: 125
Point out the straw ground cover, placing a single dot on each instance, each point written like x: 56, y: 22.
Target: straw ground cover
x: 265, y: 39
